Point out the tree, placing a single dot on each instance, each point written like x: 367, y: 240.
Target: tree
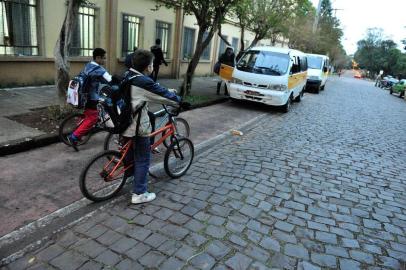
x: 209, y: 16
x: 62, y: 46
x: 266, y: 19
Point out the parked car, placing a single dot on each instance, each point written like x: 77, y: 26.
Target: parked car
x: 387, y: 82
x: 399, y: 88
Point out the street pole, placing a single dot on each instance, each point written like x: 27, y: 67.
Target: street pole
x: 316, y: 19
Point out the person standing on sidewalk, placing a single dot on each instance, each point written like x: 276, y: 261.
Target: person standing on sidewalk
x: 143, y: 90
x: 97, y: 74
x: 227, y: 58
x: 158, y: 58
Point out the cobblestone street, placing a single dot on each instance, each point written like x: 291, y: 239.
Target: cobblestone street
x: 321, y: 187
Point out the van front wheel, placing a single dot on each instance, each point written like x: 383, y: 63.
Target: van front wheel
x: 286, y: 107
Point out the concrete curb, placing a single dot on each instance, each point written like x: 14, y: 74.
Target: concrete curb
x: 18, y: 146
x: 34, y: 234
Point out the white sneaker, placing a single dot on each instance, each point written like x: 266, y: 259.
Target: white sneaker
x: 143, y: 198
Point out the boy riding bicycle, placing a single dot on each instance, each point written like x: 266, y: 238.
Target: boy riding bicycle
x: 97, y: 74
x: 143, y: 90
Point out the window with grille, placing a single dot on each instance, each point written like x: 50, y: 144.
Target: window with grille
x: 83, y: 38
x: 131, y: 33
x: 18, y: 27
x: 234, y: 44
x: 207, y: 50
x: 163, y: 32
x: 223, y: 45
x: 188, y: 42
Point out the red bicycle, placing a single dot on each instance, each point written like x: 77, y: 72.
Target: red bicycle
x: 102, y: 177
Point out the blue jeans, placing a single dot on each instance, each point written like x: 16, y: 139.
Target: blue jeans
x: 140, y: 154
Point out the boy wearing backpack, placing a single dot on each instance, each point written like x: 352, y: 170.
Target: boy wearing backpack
x: 143, y: 90
x: 96, y: 74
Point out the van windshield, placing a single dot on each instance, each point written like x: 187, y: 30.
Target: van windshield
x: 261, y: 62
x: 314, y: 62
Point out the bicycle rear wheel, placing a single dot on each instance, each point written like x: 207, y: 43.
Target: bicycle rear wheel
x: 102, y: 177
x: 178, y: 157
x: 68, y: 125
x: 182, y: 130
x: 112, y: 142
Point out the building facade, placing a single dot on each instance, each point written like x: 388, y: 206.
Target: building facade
x: 29, y: 30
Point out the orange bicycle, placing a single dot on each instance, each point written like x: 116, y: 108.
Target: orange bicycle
x: 102, y: 178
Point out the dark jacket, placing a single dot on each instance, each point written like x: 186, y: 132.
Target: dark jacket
x: 98, y: 75
x: 158, y: 55
x: 227, y: 60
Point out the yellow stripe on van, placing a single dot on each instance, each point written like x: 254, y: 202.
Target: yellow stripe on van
x: 296, y: 79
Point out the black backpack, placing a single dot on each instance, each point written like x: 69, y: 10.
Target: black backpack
x: 116, y: 110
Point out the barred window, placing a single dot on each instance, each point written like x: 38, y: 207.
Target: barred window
x: 188, y: 42
x: 18, y: 27
x: 234, y: 44
x: 131, y: 33
x: 83, y: 38
x: 222, y: 47
x: 163, y: 32
x: 207, y: 50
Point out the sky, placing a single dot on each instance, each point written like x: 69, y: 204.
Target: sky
x: 357, y: 16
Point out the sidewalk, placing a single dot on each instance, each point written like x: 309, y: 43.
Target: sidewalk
x: 15, y: 137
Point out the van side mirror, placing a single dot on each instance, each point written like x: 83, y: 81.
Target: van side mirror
x: 325, y: 69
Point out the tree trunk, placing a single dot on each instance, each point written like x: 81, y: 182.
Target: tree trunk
x: 242, y: 37
x: 61, y: 50
x: 200, y: 46
x: 254, y: 42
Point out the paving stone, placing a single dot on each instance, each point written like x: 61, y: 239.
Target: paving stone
x: 257, y: 253
x: 393, y: 229
x: 294, y: 205
x: 281, y: 261
x: 350, y: 243
x: 179, y: 218
x: 349, y: 264
x: 195, y: 240
x: 202, y: 261
x: 185, y: 252
x: 50, y: 252
x: 284, y: 226
x: 326, y: 237
x: 258, y: 227
x: 372, y: 248
x: 250, y: 211
x: 68, y: 260
x: 108, y: 257
x: 235, y: 227
x: 372, y: 224
x: 307, y: 266
x: 215, y: 220
x: 239, y: 261
x: 194, y: 225
x: 389, y: 262
x: 362, y: 256
x: 139, y: 233
x: 337, y: 251
x: 342, y: 232
x: 142, y: 219
x: 90, y: 248
x: 170, y: 247
x: 137, y: 251
x: 152, y: 259
x: 285, y: 237
x: 317, y: 226
x: 270, y: 244
x: 172, y: 264
x: 297, y: 251
x: 216, y: 231
x: 128, y: 264
x: 175, y: 232
x: 217, y: 249
x: 237, y: 240
x: 90, y: 265
x: 163, y: 213
x: 324, y: 260
x: 67, y: 239
x: 155, y: 240
x: 123, y: 245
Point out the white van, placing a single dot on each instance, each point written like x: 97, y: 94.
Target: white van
x: 317, y: 73
x: 269, y: 75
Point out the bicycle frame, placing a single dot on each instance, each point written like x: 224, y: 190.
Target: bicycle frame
x: 169, y: 130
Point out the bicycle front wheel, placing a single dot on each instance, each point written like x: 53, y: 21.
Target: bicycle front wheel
x: 70, y: 124
x: 178, y: 157
x: 182, y: 130
x: 102, y: 177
